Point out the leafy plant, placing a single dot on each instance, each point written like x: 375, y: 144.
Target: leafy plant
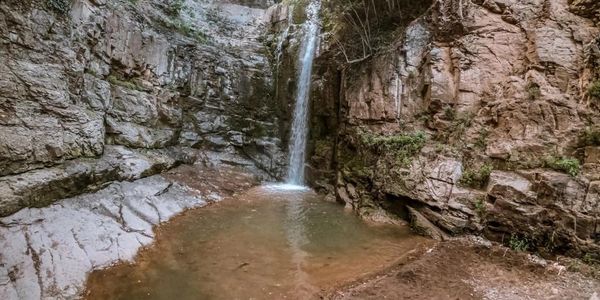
x: 449, y: 113
x: 481, y: 141
x: 533, y: 91
x: 594, y: 89
x: 518, y: 244
x: 60, y: 6
x: 404, y: 146
x: 476, y: 178
x: 568, y: 165
x: 590, y: 137
x: 480, y: 206
x: 187, y: 29
x: 589, y: 259
x: 175, y: 6
x: 455, y: 132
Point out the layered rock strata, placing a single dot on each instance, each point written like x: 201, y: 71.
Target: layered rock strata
x: 80, y: 76
x: 480, y: 116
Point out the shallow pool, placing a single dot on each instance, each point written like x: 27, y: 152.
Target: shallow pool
x: 268, y: 243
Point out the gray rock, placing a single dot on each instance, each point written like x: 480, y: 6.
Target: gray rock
x: 113, y: 73
x: 38, y: 188
x: 47, y: 255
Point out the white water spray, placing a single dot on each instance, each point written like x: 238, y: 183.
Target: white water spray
x: 297, y: 151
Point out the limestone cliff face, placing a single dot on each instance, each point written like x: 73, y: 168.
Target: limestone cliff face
x: 480, y: 116
x: 87, y: 86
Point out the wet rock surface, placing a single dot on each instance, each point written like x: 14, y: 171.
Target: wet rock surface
x: 48, y: 252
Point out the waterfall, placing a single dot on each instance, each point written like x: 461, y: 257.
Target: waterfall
x: 297, y: 148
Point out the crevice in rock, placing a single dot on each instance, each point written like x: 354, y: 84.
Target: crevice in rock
x: 149, y: 201
x: 81, y: 246
x: 36, y: 262
x: 164, y: 190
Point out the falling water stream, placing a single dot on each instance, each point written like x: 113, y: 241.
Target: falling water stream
x: 297, y: 151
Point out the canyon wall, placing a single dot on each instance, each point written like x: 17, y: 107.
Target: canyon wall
x: 93, y: 91
x: 475, y: 117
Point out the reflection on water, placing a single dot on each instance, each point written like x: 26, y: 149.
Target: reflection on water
x: 296, y: 236
x: 266, y: 244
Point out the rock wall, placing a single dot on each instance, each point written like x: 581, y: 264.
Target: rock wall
x: 78, y: 76
x: 479, y: 116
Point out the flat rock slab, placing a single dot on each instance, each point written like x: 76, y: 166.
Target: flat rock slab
x: 48, y: 252
x: 39, y: 188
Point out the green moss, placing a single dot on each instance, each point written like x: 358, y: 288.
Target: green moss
x: 356, y: 165
x: 590, y: 137
x: 126, y: 84
x: 533, y: 91
x: 322, y: 148
x: 59, y: 6
x: 564, y: 164
x: 476, y: 178
x: 594, y: 89
x: 299, y: 10
x: 258, y: 130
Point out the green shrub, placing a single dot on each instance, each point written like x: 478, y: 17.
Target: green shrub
x: 449, y: 113
x: 476, y: 178
x: 481, y: 141
x: 594, y: 89
x: 518, y: 244
x: 322, y: 148
x: 175, y: 6
x: 59, y: 6
x: 533, y: 91
x: 460, y: 122
x: 590, y: 137
x: 591, y: 259
x: 126, y: 84
x: 413, y: 141
x: 564, y: 164
x: 187, y: 30
x: 480, y: 206
x: 404, y: 146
